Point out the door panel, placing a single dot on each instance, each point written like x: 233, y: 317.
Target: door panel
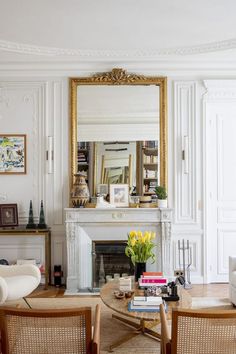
x: 221, y: 189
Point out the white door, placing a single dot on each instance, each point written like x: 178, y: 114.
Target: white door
x: 220, y: 188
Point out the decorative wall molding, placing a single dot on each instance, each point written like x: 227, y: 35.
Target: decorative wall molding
x: 178, y: 51
x: 185, y: 125
x: 58, y: 151
x: 28, y: 99
x: 220, y: 90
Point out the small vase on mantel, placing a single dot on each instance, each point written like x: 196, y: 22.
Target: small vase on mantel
x: 80, y: 191
x: 139, y: 269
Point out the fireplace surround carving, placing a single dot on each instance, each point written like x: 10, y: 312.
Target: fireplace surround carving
x: 85, y: 225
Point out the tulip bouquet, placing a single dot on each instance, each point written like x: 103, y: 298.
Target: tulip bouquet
x: 140, y: 246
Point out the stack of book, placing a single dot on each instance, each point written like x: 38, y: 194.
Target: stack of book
x: 152, y: 279
x: 82, y: 159
x: 145, y: 303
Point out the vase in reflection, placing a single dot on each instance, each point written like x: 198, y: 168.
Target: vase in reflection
x: 80, y: 191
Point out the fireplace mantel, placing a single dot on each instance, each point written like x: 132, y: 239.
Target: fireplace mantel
x: 87, y: 224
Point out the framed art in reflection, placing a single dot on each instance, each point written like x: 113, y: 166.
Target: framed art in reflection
x: 119, y: 195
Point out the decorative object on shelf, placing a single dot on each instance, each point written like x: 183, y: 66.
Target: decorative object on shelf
x: 8, y: 215
x: 153, y: 291
x: 80, y: 191
x: 101, y: 203
x: 102, y: 189
x: 140, y: 248
x: 119, y: 294
x: 31, y: 224
x: 42, y: 224
x: 4, y: 262
x: 145, y: 201
x: 162, y: 196
x: 134, y: 201
x: 119, y: 195
x: 13, y: 154
x: 125, y: 284
x: 58, y: 274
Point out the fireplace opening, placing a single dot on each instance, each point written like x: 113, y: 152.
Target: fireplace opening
x: 109, y: 262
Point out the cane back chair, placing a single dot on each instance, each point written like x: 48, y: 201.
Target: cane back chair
x: 63, y: 331
x: 199, y: 331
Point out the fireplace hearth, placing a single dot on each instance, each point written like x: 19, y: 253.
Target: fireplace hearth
x: 109, y: 261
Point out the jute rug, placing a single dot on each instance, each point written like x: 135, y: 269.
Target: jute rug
x: 111, y: 329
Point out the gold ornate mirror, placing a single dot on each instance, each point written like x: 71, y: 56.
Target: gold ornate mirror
x: 119, y: 129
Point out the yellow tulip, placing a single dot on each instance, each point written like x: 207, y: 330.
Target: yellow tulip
x: 143, y: 239
x: 133, y: 233
x: 153, y: 235
x: 139, y: 234
x: 132, y: 242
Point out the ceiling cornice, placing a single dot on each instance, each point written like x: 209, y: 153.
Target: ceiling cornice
x: 178, y: 51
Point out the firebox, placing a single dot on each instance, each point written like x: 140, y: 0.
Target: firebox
x: 109, y: 262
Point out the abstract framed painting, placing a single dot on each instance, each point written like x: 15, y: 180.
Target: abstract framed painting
x: 12, y: 153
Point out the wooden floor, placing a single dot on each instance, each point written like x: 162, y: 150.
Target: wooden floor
x: 209, y: 290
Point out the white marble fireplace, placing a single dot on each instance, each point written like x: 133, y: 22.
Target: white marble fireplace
x: 85, y: 225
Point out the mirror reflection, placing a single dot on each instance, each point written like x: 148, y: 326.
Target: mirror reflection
x: 119, y: 130
x: 117, y: 112
x: 115, y: 163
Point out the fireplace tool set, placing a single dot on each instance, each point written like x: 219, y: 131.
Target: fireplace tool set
x: 185, y: 262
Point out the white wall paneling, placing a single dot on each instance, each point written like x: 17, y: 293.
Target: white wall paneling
x: 220, y: 172
x: 185, y: 129
x: 22, y: 111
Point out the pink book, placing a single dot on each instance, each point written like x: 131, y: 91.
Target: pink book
x: 154, y: 281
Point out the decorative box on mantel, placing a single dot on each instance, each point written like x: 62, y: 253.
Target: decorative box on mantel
x: 87, y: 224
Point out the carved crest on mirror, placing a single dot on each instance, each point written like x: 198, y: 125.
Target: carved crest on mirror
x: 119, y: 78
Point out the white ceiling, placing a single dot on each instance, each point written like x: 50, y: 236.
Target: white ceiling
x: 126, y: 25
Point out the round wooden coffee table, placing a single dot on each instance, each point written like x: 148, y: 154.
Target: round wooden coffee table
x: 147, y: 320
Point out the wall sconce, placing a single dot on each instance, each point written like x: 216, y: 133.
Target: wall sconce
x: 49, y: 154
x: 185, y: 154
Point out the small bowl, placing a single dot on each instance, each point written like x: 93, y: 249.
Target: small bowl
x: 128, y: 294
x: 119, y: 294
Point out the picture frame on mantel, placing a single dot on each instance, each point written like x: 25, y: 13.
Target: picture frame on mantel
x: 119, y: 195
x: 8, y: 215
x: 12, y: 153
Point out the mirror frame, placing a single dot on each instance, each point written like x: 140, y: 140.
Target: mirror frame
x: 119, y: 76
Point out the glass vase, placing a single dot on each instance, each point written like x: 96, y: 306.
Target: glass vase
x: 139, y: 269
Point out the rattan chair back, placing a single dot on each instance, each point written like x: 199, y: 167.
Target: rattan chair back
x: 48, y: 331
x: 200, y: 331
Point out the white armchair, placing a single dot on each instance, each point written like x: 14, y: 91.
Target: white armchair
x: 17, y: 281
x: 232, y: 279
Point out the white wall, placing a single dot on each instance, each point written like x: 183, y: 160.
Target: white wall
x: 34, y: 100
